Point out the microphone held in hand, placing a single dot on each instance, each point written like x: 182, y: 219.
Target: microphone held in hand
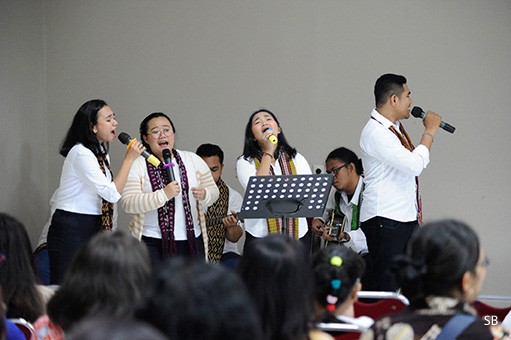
x: 417, y: 112
x: 126, y: 139
x: 167, y: 164
x: 272, y: 138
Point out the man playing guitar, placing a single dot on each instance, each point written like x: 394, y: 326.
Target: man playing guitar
x: 223, y: 227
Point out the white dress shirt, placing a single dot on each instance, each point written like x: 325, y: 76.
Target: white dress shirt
x: 357, y: 242
x: 389, y: 172
x: 83, y: 185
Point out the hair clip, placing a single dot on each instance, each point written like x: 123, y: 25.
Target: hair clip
x: 335, y: 283
x: 336, y: 261
x: 331, y: 307
x: 332, y: 299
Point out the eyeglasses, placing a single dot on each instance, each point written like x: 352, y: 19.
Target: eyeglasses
x: 335, y: 171
x: 157, y: 133
x: 485, y: 262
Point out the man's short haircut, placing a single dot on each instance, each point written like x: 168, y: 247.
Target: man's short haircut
x: 210, y: 150
x: 386, y: 86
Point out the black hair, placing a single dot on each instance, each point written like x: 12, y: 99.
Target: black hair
x: 113, y: 328
x: 437, y: 257
x: 278, y: 275
x: 210, y: 150
x: 145, y: 122
x: 326, y: 269
x: 251, y: 148
x: 18, y: 277
x: 106, y: 276
x: 191, y: 299
x: 386, y: 86
x: 343, y: 154
x: 80, y: 130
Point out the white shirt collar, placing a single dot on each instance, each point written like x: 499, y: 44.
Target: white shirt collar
x: 383, y: 120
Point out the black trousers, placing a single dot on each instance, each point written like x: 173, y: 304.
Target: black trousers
x: 386, y: 238
x: 154, y: 247
x: 305, y: 241
x: 67, y: 233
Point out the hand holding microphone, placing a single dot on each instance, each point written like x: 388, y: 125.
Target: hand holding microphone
x: 417, y: 112
x: 272, y: 138
x: 126, y: 139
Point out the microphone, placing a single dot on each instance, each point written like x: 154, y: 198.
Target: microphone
x: 417, y: 112
x: 167, y: 159
x: 126, y: 139
x: 272, y: 138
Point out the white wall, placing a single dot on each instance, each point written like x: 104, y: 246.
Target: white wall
x: 210, y: 64
x: 23, y: 120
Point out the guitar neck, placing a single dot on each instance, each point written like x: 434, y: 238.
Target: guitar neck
x: 218, y: 220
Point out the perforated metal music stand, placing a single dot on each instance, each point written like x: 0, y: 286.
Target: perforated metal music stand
x: 286, y: 196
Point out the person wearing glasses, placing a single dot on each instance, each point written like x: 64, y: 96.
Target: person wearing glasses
x: 167, y: 215
x: 392, y: 211
x: 266, y: 152
x: 343, y: 203
x: 340, y: 224
x: 441, y: 274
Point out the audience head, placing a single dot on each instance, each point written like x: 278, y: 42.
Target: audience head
x: 157, y: 132
x: 191, y: 299
x: 3, y: 330
x: 253, y: 134
x: 443, y: 258
x: 214, y: 158
x: 386, y: 86
x: 278, y: 275
x: 18, y: 277
x: 337, y: 274
x: 82, y: 128
x: 343, y: 158
x: 113, y: 328
x: 107, y: 276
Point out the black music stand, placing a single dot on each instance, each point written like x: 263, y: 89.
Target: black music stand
x: 286, y: 196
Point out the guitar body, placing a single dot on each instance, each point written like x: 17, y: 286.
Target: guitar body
x: 335, y: 223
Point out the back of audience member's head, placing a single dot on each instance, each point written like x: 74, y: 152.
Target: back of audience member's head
x: 3, y: 330
x: 191, y: 299
x: 337, y: 274
x: 278, y: 275
x: 442, y: 258
x: 113, y: 328
x: 107, y: 276
x: 18, y: 277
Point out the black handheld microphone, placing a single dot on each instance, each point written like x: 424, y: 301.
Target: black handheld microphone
x: 126, y: 139
x: 417, y: 112
x: 167, y: 159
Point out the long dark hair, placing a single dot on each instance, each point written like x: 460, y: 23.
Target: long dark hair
x: 191, y: 299
x: 18, y: 272
x: 80, y: 130
x: 437, y: 257
x: 278, y: 274
x: 251, y: 148
x: 107, y: 277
